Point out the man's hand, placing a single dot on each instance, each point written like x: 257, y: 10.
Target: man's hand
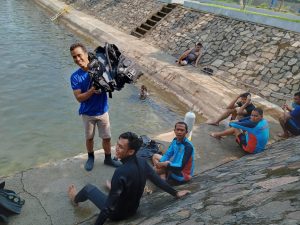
x: 286, y: 107
x: 182, y: 193
x: 162, y: 164
x: 248, y: 101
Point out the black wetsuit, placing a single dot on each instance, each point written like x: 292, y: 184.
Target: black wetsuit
x: 127, y: 187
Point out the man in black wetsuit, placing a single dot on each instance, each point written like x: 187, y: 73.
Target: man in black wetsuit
x: 127, y: 184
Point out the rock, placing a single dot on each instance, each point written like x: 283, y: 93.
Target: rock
x: 229, y: 64
x: 292, y: 61
x: 217, y: 63
x: 242, y: 66
x: 295, y: 69
x: 233, y: 70
x: 252, y: 58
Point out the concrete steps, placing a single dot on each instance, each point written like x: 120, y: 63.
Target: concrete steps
x: 152, y: 21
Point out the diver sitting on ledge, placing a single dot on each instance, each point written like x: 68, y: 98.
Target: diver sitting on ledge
x: 252, y: 133
x: 127, y: 184
x: 191, y: 56
x: 177, y: 164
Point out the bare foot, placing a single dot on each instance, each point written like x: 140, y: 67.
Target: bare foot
x: 283, y: 135
x: 213, y: 123
x: 108, y: 184
x: 72, y: 193
x: 214, y: 135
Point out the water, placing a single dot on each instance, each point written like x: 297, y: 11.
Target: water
x: 39, y: 120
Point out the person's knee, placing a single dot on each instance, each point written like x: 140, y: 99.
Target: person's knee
x: 106, y: 140
x: 87, y: 188
x: 90, y: 140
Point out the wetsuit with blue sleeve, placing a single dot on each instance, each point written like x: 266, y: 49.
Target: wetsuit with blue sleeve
x: 256, y: 136
x: 181, y: 157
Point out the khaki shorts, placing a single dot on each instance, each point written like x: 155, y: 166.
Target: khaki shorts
x: 102, y: 122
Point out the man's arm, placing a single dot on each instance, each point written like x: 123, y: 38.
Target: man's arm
x: 178, y: 166
x: 246, y: 125
x: 198, y: 58
x: 162, y: 184
x: 232, y: 104
x: 184, y: 55
x: 152, y: 176
x: 168, y: 154
x: 81, y: 97
x: 242, y: 109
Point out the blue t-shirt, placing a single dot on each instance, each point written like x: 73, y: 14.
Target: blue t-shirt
x: 295, y: 114
x: 97, y: 104
x: 257, y: 134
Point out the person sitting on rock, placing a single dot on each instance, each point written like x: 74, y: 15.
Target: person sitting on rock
x: 127, y: 184
x: 191, y: 56
x: 290, y: 120
x: 143, y: 92
x: 177, y: 164
x: 252, y: 133
x: 240, y: 107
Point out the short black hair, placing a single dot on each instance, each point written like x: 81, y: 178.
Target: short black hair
x: 183, y: 123
x: 259, y: 110
x: 134, y: 142
x: 297, y: 94
x: 245, y: 95
x: 76, y: 45
x: 199, y: 44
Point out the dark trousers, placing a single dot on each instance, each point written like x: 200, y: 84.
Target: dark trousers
x: 92, y: 193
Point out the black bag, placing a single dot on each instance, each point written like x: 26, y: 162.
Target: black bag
x: 208, y: 71
x: 149, y: 148
x: 10, y: 203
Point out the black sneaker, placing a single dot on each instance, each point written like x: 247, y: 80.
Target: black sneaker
x: 89, y: 164
x: 112, y: 162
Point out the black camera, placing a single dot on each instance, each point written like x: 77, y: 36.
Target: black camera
x: 96, y: 71
x: 110, y: 70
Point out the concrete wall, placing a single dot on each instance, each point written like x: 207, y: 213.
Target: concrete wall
x: 122, y: 14
x: 264, y: 57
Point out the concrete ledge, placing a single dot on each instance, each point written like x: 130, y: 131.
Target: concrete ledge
x: 240, y: 15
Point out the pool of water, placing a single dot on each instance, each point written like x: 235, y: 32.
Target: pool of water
x: 39, y: 120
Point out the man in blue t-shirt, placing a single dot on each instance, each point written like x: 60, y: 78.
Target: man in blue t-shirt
x: 290, y: 119
x: 252, y: 133
x: 93, y: 107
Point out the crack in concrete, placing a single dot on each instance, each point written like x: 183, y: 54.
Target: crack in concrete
x: 86, y: 220
x: 39, y: 201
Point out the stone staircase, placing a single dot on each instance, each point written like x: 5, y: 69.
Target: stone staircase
x: 151, y: 22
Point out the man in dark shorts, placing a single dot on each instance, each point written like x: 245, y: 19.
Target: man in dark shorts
x: 127, y: 184
x: 290, y: 119
x: 252, y: 133
x: 240, y: 107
